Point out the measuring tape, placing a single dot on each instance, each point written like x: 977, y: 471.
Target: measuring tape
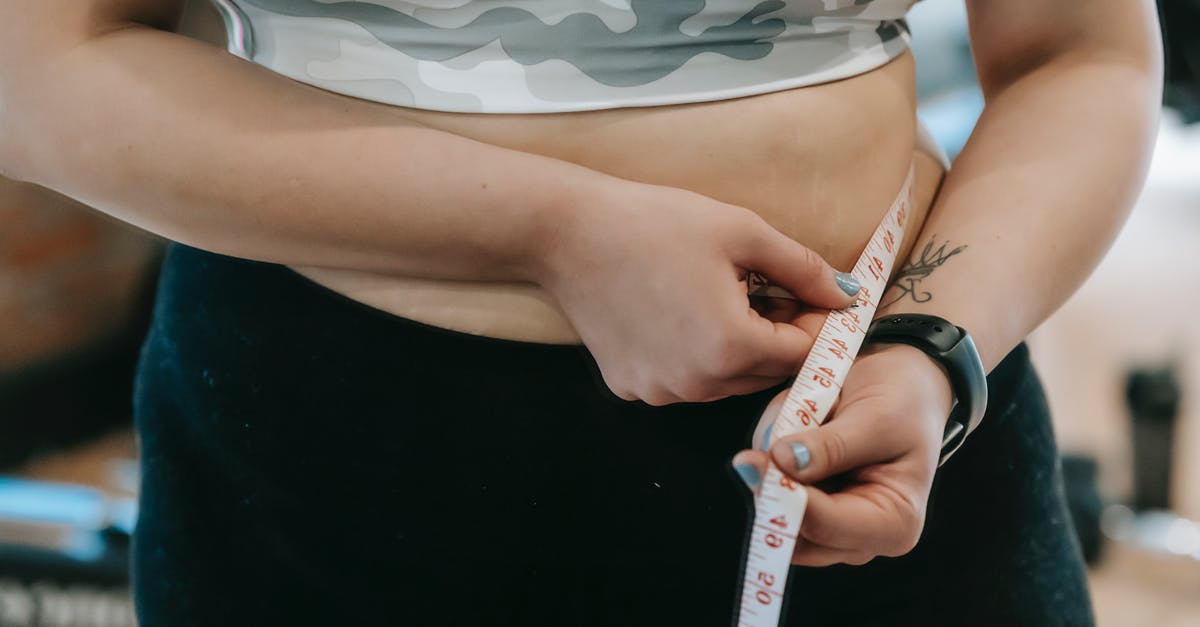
x: 779, y: 506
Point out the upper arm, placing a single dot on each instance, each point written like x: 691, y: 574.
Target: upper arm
x: 1013, y: 37
x: 34, y: 33
x: 33, y: 28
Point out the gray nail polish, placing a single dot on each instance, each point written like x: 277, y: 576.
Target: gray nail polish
x: 766, y: 438
x: 802, y: 455
x: 848, y: 283
x: 749, y: 474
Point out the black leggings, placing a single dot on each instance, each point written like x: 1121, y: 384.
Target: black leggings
x: 311, y: 461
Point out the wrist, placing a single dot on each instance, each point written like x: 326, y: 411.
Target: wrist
x: 989, y: 333
x: 571, y: 214
x: 567, y: 198
x: 950, y: 347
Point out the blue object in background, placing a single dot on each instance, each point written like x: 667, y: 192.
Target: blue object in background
x: 951, y: 117
x: 947, y: 91
x: 69, y: 519
x: 52, y: 503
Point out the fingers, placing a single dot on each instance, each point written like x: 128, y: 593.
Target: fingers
x: 795, y: 268
x: 761, y: 439
x: 779, y: 348
x: 857, y: 438
x: 809, y: 554
x: 748, y: 384
x: 776, y: 309
x: 736, y: 386
x: 876, y: 518
x: 750, y: 467
x: 852, y: 526
x: 881, y: 462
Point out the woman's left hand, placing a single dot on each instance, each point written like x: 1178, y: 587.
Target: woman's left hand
x: 869, y: 468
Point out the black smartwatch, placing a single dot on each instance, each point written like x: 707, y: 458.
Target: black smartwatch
x: 951, y: 347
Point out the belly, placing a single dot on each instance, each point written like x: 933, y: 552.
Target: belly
x: 821, y: 164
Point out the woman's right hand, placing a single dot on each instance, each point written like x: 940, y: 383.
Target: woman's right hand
x: 653, y: 279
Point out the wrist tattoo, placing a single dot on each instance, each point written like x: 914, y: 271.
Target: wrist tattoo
x: 919, y: 267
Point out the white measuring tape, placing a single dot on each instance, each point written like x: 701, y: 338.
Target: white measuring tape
x: 779, y: 506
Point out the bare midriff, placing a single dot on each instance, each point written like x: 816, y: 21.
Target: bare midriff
x: 822, y: 164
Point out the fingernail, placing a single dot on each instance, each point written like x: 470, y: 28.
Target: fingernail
x: 802, y: 455
x: 766, y: 438
x: 749, y: 474
x: 848, y: 283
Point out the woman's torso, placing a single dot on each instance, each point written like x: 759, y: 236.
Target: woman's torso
x: 821, y: 163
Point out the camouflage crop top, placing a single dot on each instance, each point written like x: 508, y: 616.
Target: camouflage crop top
x: 532, y: 56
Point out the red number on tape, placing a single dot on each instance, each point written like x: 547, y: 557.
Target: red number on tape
x: 767, y: 578
x: 779, y: 521
x: 805, y: 417
x: 762, y: 596
x: 822, y: 380
x: 773, y: 541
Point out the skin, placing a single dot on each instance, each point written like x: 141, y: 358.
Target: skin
x: 1070, y: 92
x: 226, y: 164
x: 825, y: 185
x: 200, y: 161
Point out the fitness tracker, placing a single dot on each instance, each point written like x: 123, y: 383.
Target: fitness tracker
x: 951, y: 347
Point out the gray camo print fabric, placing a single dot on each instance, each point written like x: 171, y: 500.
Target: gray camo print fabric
x: 530, y: 56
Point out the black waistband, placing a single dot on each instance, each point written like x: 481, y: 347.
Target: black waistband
x: 228, y: 292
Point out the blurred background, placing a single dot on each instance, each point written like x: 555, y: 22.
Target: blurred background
x: 1121, y: 363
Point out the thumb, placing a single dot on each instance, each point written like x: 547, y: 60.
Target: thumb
x: 839, y: 446
x: 796, y: 268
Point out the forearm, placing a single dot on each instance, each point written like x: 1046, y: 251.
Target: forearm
x: 194, y: 144
x: 1033, y: 201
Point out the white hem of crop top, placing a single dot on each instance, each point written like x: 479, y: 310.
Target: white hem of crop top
x: 345, y: 59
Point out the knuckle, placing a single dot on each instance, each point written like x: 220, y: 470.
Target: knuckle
x: 908, y: 532
x: 659, y: 398
x: 812, y: 263
x: 744, y: 221
x: 833, y: 449
x: 621, y: 391
x: 695, y: 388
x: 739, y: 227
x: 818, y: 532
x: 860, y: 559
x: 909, y: 540
x: 691, y: 393
x: 620, y: 386
x: 904, y: 544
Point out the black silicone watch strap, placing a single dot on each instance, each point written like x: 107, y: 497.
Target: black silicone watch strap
x: 951, y: 347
